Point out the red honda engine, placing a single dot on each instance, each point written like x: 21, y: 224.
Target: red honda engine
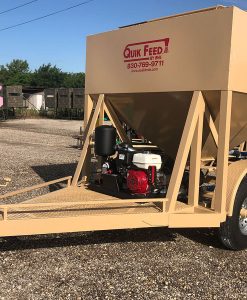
x: 137, y: 182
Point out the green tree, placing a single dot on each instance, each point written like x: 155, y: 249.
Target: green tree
x: 74, y: 80
x: 48, y: 76
x: 17, y: 72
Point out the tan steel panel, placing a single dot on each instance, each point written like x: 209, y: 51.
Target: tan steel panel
x: 197, y: 59
x: 239, y: 119
x: 160, y: 117
x: 238, y: 59
x: 238, y: 133
x: 155, y: 116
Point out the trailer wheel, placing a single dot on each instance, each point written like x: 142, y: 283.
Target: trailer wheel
x: 233, y: 232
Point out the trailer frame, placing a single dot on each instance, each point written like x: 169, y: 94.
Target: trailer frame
x: 77, y: 208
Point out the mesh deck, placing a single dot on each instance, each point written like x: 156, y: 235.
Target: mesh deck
x: 74, y: 195
x: 77, y: 195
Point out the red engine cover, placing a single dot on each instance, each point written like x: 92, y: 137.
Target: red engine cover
x: 137, y: 181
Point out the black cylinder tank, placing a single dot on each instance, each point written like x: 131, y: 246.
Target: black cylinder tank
x: 105, y: 140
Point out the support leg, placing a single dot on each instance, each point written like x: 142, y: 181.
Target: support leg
x: 223, y: 151
x: 88, y: 132
x: 195, y: 159
x: 88, y: 106
x: 183, y: 151
x: 101, y: 115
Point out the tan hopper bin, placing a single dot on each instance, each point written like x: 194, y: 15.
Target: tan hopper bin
x: 180, y: 82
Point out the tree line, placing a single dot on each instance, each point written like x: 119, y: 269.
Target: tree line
x: 17, y: 72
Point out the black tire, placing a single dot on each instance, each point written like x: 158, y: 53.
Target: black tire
x: 229, y: 232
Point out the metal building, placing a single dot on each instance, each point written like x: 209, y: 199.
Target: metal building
x: 78, y: 98
x: 51, y: 98
x: 14, y: 96
x: 64, y: 97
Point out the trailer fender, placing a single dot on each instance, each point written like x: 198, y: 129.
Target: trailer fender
x: 236, y: 173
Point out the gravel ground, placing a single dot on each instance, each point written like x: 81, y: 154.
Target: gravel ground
x: 124, y: 264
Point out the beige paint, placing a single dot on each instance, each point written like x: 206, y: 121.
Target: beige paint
x: 197, y: 59
x: 169, y: 106
x: 238, y: 58
x: 206, y: 52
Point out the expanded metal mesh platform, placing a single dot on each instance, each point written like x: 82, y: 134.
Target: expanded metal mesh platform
x: 73, y: 202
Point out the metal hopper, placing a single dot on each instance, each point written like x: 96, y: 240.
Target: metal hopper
x: 160, y: 117
x: 153, y: 68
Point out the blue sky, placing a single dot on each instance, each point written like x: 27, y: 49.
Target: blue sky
x: 60, y: 39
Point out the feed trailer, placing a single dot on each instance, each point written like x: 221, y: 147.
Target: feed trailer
x: 178, y: 84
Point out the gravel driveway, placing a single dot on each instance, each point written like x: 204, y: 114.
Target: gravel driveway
x: 123, y: 264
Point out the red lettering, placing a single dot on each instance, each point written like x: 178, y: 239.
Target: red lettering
x: 160, y: 50
x: 138, y: 53
x: 126, y: 53
x: 145, y: 50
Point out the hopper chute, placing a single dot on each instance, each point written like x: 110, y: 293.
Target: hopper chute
x: 160, y: 117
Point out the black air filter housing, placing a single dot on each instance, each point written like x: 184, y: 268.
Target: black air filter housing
x: 105, y: 140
